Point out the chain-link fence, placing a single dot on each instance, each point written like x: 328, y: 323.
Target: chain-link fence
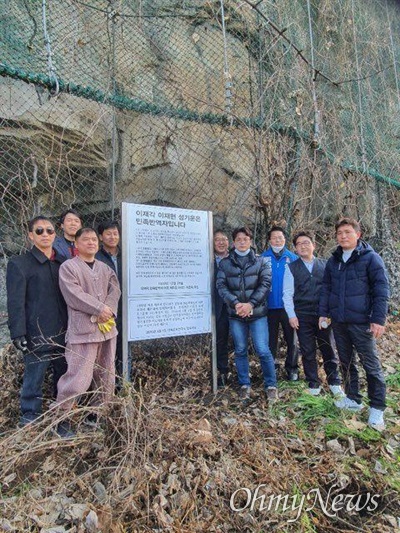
x: 259, y: 111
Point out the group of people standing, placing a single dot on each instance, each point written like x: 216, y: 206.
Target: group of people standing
x: 310, y: 298
x: 63, y: 301
x: 64, y: 310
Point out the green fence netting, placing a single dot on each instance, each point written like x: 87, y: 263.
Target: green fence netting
x: 259, y: 111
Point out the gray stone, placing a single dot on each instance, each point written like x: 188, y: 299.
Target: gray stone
x: 379, y: 468
x: 36, y: 494
x: 334, y: 446
x: 76, y: 511
x: 92, y: 522
x: 229, y: 421
x: 100, y: 491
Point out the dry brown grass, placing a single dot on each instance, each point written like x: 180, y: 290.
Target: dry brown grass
x: 168, y: 456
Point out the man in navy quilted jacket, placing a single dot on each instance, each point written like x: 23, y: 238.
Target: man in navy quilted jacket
x: 355, y: 293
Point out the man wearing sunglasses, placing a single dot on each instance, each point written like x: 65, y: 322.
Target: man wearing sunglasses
x: 37, y: 315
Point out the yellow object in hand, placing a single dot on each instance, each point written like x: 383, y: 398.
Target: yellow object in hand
x: 105, y: 327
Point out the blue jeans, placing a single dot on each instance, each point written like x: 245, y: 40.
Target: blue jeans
x: 259, y: 333
x: 36, y: 365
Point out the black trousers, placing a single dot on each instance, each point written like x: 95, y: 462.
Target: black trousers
x: 118, y: 356
x: 222, y: 327
x: 310, y: 337
x: 276, y: 317
x: 357, y: 337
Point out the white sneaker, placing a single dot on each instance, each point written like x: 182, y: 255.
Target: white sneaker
x: 337, y: 391
x: 376, y: 420
x: 347, y: 403
x: 314, y: 392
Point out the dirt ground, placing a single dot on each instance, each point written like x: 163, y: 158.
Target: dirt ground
x: 168, y: 455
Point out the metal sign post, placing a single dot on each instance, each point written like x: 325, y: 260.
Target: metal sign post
x: 213, y: 273
x: 125, y: 343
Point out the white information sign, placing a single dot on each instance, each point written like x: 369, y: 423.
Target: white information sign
x: 167, y: 271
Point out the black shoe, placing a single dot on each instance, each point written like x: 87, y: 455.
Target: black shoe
x: 222, y: 381
x: 25, y: 420
x: 65, y: 431
x: 293, y: 376
x: 91, y: 420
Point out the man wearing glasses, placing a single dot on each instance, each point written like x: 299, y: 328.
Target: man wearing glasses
x: 221, y: 250
x: 302, y: 284
x: 37, y: 315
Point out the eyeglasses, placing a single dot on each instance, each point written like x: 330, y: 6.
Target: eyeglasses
x: 221, y: 240
x: 40, y: 231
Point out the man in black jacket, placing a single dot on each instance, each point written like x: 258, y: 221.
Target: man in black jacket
x: 355, y: 294
x: 243, y: 282
x: 110, y: 254
x: 37, y: 315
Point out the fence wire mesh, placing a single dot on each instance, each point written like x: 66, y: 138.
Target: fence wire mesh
x: 259, y: 111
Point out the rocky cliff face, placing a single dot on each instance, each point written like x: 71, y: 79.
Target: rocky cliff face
x: 234, y: 122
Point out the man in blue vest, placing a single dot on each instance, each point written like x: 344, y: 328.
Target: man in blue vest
x: 355, y: 294
x: 280, y: 256
x: 301, y: 290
